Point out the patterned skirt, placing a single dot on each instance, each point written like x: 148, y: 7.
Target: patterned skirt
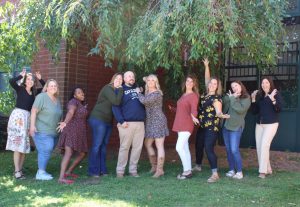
x: 17, y: 131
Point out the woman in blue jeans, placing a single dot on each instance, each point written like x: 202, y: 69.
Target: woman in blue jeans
x: 100, y: 122
x: 236, y: 103
x: 45, y: 115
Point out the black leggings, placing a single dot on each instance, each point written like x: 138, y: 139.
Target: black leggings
x: 206, y: 139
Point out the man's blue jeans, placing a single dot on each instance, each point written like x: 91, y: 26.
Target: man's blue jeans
x: 45, y: 144
x: 232, y: 143
x: 97, y: 155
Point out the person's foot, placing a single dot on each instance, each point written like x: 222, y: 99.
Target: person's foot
x: 135, y: 175
x: 213, y: 178
x: 238, y: 175
x: 120, y: 175
x: 197, y: 168
x: 72, y: 175
x: 230, y: 173
x: 65, y: 181
x: 19, y: 175
x: 43, y: 175
x: 262, y: 175
x: 185, y: 175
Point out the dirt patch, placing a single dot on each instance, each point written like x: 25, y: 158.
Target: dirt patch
x: 280, y: 161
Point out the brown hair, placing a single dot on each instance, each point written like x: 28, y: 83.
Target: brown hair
x: 244, y: 92
x: 272, y: 86
x: 114, y: 77
x: 219, y: 87
x: 195, y: 81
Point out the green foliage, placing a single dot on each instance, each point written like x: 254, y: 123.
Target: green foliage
x: 7, y: 102
x: 172, y: 32
x: 146, y: 35
x: 17, y: 43
x: 280, y: 189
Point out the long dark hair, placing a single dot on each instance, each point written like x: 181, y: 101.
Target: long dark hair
x: 261, y: 92
x: 33, y: 88
x: 244, y: 92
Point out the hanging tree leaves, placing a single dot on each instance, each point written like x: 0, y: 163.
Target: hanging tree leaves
x: 168, y: 34
x: 205, y: 28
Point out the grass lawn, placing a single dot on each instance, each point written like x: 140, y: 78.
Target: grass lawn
x: 280, y: 189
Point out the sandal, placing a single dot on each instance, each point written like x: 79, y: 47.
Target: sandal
x: 19, y: 175
x: 66, y: 181
x: 72, y: 175
x: 183, y: 177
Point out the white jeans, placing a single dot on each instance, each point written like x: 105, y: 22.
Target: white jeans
x: 182, y: 147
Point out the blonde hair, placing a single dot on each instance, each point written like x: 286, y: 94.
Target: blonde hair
x: 46, y: 86
x: 114, y: 77
x: 219, y: 87
x: 157, y: 86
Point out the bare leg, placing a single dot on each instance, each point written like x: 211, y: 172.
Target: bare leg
x: 65, y: 162
x: 17, y: 161
x: 78, y: 159
x: 159, y: 143
x: 149, y: 146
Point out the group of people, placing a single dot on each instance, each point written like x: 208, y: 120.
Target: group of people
x: 140, y: 120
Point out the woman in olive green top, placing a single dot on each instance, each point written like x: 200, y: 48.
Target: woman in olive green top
x: 100, y: 121
x: 236, y: 104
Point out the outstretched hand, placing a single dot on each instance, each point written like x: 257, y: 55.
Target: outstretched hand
x: 23, y: 73
x: 206, y: 62
x: 61, y: 126
x: 38, y: 75
x: 271, y: 95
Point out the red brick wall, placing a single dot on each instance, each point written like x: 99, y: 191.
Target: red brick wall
x: 75, y: 68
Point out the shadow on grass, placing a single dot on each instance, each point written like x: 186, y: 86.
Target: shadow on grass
x: 281, y: 189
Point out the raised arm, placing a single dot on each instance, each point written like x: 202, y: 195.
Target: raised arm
x: 207, y: 71
x: 13, y: 81
x: 42, y: 82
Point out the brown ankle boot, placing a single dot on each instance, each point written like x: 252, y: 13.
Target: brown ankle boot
x: 153, y: 162
x: 160, y: 167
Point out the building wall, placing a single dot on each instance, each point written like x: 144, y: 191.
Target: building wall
x: 75, y: 68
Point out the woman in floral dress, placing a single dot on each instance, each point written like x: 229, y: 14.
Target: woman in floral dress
x: 156, y: 128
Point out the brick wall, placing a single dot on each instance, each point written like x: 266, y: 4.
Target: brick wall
x: 75, y: 68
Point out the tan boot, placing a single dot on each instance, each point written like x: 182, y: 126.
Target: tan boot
x: 153, y: 162
x: 160, y: 167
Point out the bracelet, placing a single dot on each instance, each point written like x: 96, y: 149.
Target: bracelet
x: 274, y: 101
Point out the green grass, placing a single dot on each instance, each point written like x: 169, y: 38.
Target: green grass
x: 280, y: 189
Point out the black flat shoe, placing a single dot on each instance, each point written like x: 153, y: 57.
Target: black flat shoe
x: 183, y: 177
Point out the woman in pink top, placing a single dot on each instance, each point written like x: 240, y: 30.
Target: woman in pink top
x: 184, y: 122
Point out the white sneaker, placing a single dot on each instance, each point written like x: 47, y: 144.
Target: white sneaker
x: 230, y: 173
x: 238, y: 175
x: 197, y: 168
x: 43, y: 175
